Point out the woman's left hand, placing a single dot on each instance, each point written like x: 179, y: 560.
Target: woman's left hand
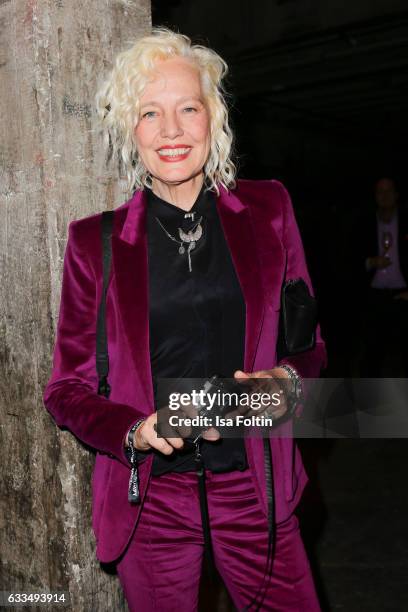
x: 271, y: 387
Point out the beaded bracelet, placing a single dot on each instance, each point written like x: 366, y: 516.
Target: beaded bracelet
x: 295, y: 396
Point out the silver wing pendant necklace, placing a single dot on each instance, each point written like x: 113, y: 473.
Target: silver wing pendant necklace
x: 187, y: 239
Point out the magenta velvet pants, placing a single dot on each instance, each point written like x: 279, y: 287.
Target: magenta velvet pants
x: 160, y: 569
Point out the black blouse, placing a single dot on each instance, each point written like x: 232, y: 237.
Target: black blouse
x: 197, y: 318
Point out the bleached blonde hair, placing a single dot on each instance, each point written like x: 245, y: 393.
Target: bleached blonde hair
x: 118, y: 105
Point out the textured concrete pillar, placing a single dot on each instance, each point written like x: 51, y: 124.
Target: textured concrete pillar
x: 52, y: 53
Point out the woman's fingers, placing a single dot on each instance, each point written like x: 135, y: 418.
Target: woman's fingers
x: 171, y: 444
x: 211, y: 434
x: 146, y: 437
x: 271, y: 387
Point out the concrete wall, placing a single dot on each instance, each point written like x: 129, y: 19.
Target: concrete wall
x: 52, y: 53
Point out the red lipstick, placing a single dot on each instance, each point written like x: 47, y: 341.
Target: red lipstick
x: 174, y: 158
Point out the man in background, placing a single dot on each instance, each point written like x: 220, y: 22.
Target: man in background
x: 382, y: 244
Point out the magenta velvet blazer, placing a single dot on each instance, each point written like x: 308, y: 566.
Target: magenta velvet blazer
x: 261, y: 231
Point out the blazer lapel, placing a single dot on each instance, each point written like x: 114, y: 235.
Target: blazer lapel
x: 130, y: 274
x: 240, y: 236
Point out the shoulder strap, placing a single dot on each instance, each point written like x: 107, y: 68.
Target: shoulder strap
x: 102, y: 357
x: 257, y: 601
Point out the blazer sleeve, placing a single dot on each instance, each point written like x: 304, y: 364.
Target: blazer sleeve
x: 71, y: 393
x: 310, y: 363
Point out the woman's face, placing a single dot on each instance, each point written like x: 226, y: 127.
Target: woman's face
x: 173, y: 132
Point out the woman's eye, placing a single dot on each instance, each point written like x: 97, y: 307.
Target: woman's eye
x: 149, y: 114
x: 190, y: 108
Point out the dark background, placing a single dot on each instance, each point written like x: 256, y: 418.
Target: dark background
x: 319, y: 94
x: 319, y: 89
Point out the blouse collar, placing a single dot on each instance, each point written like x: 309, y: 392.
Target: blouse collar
x: 204, y: 205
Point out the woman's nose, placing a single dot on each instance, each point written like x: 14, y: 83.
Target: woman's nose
x: 171, y: 127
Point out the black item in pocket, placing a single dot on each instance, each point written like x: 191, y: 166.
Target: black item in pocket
x: 298, y: 319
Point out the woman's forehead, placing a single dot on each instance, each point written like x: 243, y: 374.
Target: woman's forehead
x: 174, y: 72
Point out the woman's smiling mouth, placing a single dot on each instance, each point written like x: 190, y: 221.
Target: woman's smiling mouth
x: 173, y: 154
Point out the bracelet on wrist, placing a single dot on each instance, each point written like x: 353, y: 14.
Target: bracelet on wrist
x: 133, y: 489
x: 132, y: 433
x: 296, y: 391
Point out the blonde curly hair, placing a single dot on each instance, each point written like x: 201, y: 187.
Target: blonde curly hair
x: 118, y: 105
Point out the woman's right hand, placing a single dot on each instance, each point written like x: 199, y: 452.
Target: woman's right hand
x: 146, y: 437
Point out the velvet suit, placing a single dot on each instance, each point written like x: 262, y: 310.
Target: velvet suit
x: 261, y: 231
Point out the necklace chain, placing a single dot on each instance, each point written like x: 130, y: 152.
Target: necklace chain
x: 191, y: 238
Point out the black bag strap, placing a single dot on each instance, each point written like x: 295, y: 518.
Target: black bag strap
x: 208, y: 549
x: 102, y: 357
x: 258, y: 598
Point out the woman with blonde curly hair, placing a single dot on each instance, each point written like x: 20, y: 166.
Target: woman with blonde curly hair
x: 198, y: 262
